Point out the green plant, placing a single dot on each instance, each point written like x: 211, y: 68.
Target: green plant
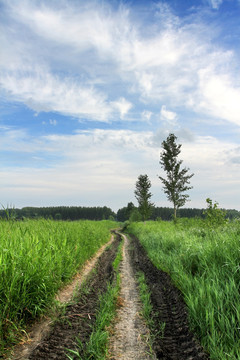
x: 214, y: 215
x: 204, y: 264
x: 177, y: 182
x: 143, y: 196
x: 36, y: 259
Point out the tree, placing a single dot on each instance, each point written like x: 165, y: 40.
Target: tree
x: 129, y: 210
x: 177, y: 182
x: 143, y: 196
x: 214, y: 215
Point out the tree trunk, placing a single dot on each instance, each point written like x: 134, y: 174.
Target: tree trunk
x: 175, y: 213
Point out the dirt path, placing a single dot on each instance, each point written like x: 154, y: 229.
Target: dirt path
x: 130, y: 332
x: 39, y: 331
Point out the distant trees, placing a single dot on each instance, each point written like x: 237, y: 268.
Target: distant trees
x: 61, y: 213
x: 129, y: 212
x: 177, y: 181
x: 143, y: 196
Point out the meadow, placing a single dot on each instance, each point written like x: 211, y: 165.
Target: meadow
x: 204, y: 263
x: 36, y: 258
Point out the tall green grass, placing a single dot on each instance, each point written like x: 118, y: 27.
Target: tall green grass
x: 205, y: 264
x: 36, y: 258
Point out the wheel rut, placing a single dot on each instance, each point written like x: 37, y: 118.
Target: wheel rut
x: 173, y: 337
x: 130, y: 339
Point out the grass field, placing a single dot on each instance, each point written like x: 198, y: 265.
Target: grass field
x: 205, y: 264
x: 36, y: 258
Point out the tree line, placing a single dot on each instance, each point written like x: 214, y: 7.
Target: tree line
x: 131, y: 212
x: 101, y: 213
x: 59, y: 213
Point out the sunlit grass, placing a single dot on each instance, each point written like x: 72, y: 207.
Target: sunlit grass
x: 205, y: 264
x: 36, y: 259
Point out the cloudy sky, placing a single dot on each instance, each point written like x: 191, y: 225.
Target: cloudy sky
x: 90, y: 89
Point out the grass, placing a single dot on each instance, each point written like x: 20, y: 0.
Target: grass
x: 204, y: 264
x: 97, y: 347
x: 36, y: 258
x: 147, y: 309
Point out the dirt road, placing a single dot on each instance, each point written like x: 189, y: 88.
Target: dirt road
x: 130, y: 335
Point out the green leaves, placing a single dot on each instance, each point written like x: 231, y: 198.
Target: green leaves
x: 143, y: 196
x: 177, y: 181
x: 214, y: 215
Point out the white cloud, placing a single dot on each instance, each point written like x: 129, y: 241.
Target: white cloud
x: 92, y: 61
x: 215, y: 4
x: 123, y: 106
x: 175, y: 62
x: 218, y: 96
x: 42, y: 91
x: 146, y: 115
x: 167, y: 115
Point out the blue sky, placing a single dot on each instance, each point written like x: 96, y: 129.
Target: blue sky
x: 90, y: 89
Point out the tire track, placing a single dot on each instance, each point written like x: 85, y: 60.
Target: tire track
x: 130, y: 332
x: 177, y: 342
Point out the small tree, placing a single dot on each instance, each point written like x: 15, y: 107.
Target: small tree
x: 214, y: 215
x: 143, y: 196
x: 177, y: 182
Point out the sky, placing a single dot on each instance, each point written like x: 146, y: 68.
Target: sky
x: 89, y: 90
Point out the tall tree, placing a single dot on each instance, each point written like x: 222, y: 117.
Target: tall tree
x: 177, y: 181
x: 143, y: 196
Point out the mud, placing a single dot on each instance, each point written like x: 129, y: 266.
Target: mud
x: 176, y: 341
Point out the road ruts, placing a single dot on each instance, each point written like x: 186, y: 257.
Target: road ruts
x: 177, y: 341
x: 130, y: 333
x: 80, y: 315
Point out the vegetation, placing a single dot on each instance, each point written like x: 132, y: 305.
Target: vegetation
x: 59, y: 213
x: 204, y: 263
x: 143, y: 196
x: 97, y: 347
x: 36, y: 258
x: 177, y: 182
x: 166, y: 213
x: 214, y: 215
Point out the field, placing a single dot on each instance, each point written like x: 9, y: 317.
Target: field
x: 184, y: 273
x: 36, y: 259
x: 204, y: 263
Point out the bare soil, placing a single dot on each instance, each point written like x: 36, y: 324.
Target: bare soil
x: 131, y: 335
